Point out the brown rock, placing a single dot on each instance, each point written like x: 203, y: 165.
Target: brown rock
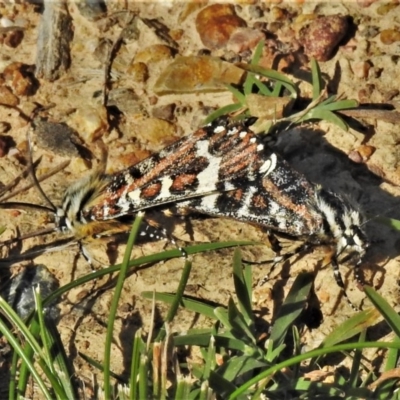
x: 321, y: 37
x: 20, y: 78
x: 13, y: 38
x: 197, y: 74
x: 138, y: 72
x: 390, y: 36
x: 216, y: 23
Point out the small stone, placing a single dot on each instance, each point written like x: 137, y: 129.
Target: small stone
x: 197, y: 74
x: 7, y: 97
x: 155, y: 53
x: 321, y: 37
x: 20, y: 78
x: 13, y: 38
x: 361, y: 69
x: 216, y: 23
x: 58, y: 138
x: 244, y: 39
x: 126, y: 100
x: 154, y: 132
x: 164, y: 112
x: 390, y: 36
x: 138, y: 72
x: 92, y: 122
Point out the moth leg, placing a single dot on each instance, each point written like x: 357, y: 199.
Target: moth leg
x: 340, y: 283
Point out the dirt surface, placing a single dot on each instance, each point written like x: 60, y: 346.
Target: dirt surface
x: 364, y: 67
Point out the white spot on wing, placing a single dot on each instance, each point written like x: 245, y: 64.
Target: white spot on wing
x: 269, y: 165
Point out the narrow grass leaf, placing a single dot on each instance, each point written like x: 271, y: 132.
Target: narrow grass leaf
x: 190, y: 304
x: 177, y: 300
x: 327, y: 116
x: 317, y: 82
x: 226, y: 110
x: 352, y: 327
x: 242, y: 289
x: 238, y: 365
x: 138, y: 345
x: 356, y: 364
x: 291, y: 308
x: 114, y: 304
x: 15, y: 344
x: 339, y: 105
x: 390, y: 315
x: 271, y: 74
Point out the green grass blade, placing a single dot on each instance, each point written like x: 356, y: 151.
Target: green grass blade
x: 273, y: 75
x: 135, y: 364
x: 241, y: 289
x: 306, y: 356
x: 339, y: 105
x: 291, y: 308
x: 190, y: 304
x: 114, y: 304
x: 240, y: 97
x: 230, y: 108
x: 351, y: 327
x: 14, y: 343
x: 177, y: 299
x: 390, y: 315
x: 317, y: 82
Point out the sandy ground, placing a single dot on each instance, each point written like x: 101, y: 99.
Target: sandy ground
x: 321, y: 152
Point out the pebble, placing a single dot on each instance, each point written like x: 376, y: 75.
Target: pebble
x: 389, y: 36
x: 13, y: 38
x: 164, y: 112
x: 322, y: 36
x: 20, y: 78
x: 155, y: 53
x: 244, y: 39
x: 216, y: 23
x: 361, y: 69
x: 59, y: 138
x: 138, y: 72
x: 197, y: 74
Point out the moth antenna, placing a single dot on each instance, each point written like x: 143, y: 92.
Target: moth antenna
x: 27, y: 236
x: 16, y: 180
x: 21, y: 205
x: 41, y: 178
x: 34, y: 177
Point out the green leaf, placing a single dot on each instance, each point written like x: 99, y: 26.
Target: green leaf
x: 390, y: 315
x: 242, y: 289
x: 351, y: 327
x: 291, y: 308
x: 316, y: 77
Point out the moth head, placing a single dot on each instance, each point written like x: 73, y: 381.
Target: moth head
x: 353, y: 241
x: 344, y: 223
x: 79, y: 196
